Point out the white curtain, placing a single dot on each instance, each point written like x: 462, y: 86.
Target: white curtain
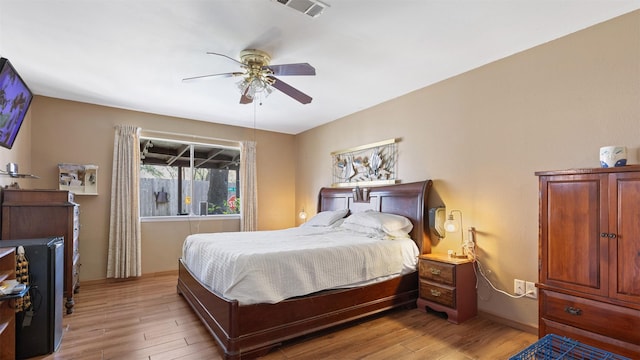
x: 125, y: 255
x: 248, y: 187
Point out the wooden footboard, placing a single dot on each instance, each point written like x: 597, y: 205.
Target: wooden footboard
x: 252, y: 330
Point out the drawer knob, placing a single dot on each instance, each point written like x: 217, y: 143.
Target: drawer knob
x: 435, y: 293
x: 573, y: 311
x: 435, y: 271
x: 612, y: 236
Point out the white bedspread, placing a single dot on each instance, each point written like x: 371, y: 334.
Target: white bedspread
x: 270, y: 266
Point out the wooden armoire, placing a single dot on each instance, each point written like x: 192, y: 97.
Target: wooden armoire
x: 589, y: 249
x: 30, y: 214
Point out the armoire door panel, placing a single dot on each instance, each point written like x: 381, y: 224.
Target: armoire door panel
x: 625, y: 246
x: 573, y: 209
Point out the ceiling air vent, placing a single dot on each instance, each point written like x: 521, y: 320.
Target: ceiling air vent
x: 312, y: 8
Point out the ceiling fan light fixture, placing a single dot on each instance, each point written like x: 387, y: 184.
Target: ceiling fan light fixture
x: 253, y: 85
x: 267, y: 91
x: 242, y: 85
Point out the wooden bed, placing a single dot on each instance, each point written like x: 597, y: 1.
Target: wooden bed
x: 249, y: 331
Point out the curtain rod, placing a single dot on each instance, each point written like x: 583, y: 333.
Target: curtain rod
x: 157, y: 132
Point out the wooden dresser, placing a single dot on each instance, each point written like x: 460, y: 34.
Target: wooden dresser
x: 28, y: 214
x: 7, y: 310
x: 589, y: 276
x: 447, y: 285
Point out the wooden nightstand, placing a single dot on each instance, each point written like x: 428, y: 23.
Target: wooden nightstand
x: 448, y: 285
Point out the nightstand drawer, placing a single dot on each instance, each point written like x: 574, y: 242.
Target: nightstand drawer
x: 439, y: 294
x: 437, y: 271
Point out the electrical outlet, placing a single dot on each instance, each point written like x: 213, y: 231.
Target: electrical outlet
x: 531, y: 290
x: 518, y: 287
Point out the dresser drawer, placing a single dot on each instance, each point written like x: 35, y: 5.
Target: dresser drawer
x: 601, y: 318
x: 437, y: 293
x: 437, y: 271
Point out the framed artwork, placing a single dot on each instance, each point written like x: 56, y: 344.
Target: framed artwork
x: 366, y: 165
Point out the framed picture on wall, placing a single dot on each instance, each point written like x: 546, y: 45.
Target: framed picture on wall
x: 371, y: 164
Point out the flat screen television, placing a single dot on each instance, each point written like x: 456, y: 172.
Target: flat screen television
x: 15, y: 98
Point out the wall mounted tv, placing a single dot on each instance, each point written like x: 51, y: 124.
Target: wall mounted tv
x: 15, y: 98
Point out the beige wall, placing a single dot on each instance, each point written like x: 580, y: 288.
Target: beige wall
x: 481, y: 136
x: 72, y: 132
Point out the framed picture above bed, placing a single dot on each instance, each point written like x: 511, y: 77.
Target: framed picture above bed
x: 366, y: 165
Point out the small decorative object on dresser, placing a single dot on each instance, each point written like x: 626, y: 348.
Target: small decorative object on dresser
x: 31, y: 214
x: 613, y: 156
x: 589, y: 257
x: 448, y: 285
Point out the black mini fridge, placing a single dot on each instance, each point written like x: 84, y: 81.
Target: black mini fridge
x: 39, y: 329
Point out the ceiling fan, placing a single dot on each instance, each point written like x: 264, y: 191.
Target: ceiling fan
x: 260, y: 77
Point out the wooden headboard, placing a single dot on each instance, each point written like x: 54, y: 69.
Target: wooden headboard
x: 408, y: 200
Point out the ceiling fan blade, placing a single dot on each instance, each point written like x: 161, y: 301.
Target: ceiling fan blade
x: 244, y: 99
x: 230, y: 74
x: 290, y: 90
x: 292, y: 69
x: 223, y: 55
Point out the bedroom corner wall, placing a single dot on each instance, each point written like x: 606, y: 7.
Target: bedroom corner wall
x: 480, y: 137
x: 72, y: 132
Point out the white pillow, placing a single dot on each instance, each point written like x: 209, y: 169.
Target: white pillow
x: 326, y: 218
x: 392, y: 224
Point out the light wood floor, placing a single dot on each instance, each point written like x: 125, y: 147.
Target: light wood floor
x: 146, y: 319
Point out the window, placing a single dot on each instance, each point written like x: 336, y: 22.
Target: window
x: 186, y: 178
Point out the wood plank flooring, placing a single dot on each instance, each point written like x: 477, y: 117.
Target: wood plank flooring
x: 146, y: 319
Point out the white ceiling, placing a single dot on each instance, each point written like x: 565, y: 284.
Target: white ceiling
x: 133, y: 54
